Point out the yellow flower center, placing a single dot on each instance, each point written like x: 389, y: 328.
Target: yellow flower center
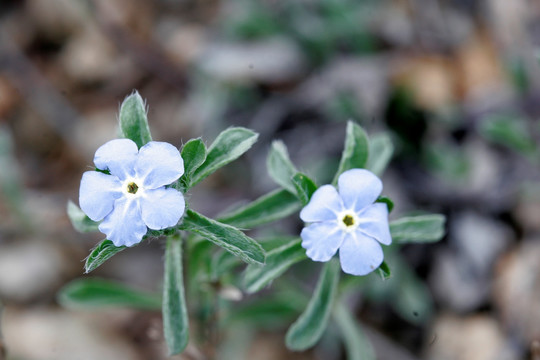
x: 132, y: 188
x: 348, y: 220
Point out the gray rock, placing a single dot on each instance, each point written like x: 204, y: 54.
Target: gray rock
x: 53, y: 334
x: 472, y: 338
x: 517, y: 290
x: 271, y: 61
x: 366, y: 79
x: 30, y: 270
x: 462, y: 275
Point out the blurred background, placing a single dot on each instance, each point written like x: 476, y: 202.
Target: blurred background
x: 455, y: 83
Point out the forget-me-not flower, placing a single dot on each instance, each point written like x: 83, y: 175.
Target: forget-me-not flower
x: 134, y: 195
x: 347, y: 219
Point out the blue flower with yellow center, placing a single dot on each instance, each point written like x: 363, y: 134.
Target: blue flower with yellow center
x: 133, y: 196
x: 349, y: 220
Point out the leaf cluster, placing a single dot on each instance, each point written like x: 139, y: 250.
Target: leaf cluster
x: 209, y: 268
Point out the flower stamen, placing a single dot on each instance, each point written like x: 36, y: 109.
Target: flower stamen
x: 132, y: 188
x: 348, y: 220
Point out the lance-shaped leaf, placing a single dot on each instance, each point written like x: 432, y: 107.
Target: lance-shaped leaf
x: 418, y: 229
x: 415, y: 303
x: 270, y: 207
x: 175, y: 317
x: 79, y: 220
x: 304, y: 186
x: 98, y: 293
x: 511, y: 131
x: 357, y: 345
x: 405, y: 292
x: 356, y: 150
x: 381, y: 150
x: 133, y: 120
x: 310, y: 326
x: 198, y: 267
x: 277, y: 262
x: 101, y: 253
x: 280, y: 167
x: 228, y: 146
x: 269, y: 312
x: 194, y: 155
x: 226, y: 236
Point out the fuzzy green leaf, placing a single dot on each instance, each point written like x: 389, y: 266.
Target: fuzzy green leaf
x: 198, y: 253
x: 228, y: 146
x: 381, y: 150
x: 194, y: 155
x: 304, y: 186
x: 277, y: 262
x: 226, y: 236
x: 510, y: 131
x: 405, y: 292
x: 266, y: 313
x: 356, y: 150
x: 98, y: 293
x: 357, y: 345
x: 280, y: 167
x: 79, y: 220
x: 101, y: 253
x: 270, y: 207
x: 310, y: 326
x: 415, y: 303
x: 418, y: 229
x: 133, y: 120
x: 175, y: 317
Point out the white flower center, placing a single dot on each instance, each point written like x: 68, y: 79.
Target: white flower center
x: 348, y: 220
x: 132, y: 188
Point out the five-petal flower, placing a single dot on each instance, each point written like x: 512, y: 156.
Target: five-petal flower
x: 133, y: 196
x: 347, y: 220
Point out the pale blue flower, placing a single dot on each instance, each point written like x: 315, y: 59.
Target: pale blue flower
x: 134, y: 197
x: 348, y: 220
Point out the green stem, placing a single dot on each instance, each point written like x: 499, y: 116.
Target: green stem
x: 175, y: 317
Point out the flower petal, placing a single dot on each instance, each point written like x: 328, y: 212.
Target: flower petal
x: 321, y: 240
x: 97, y: 194
x: 359, y: 254
x: 118, y: 156
x: 124, y: 226
x: 323, y: 206
x: 159, y: 164
x: 359, y: 188
x: 374, y: 223
x: 162, y: 208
